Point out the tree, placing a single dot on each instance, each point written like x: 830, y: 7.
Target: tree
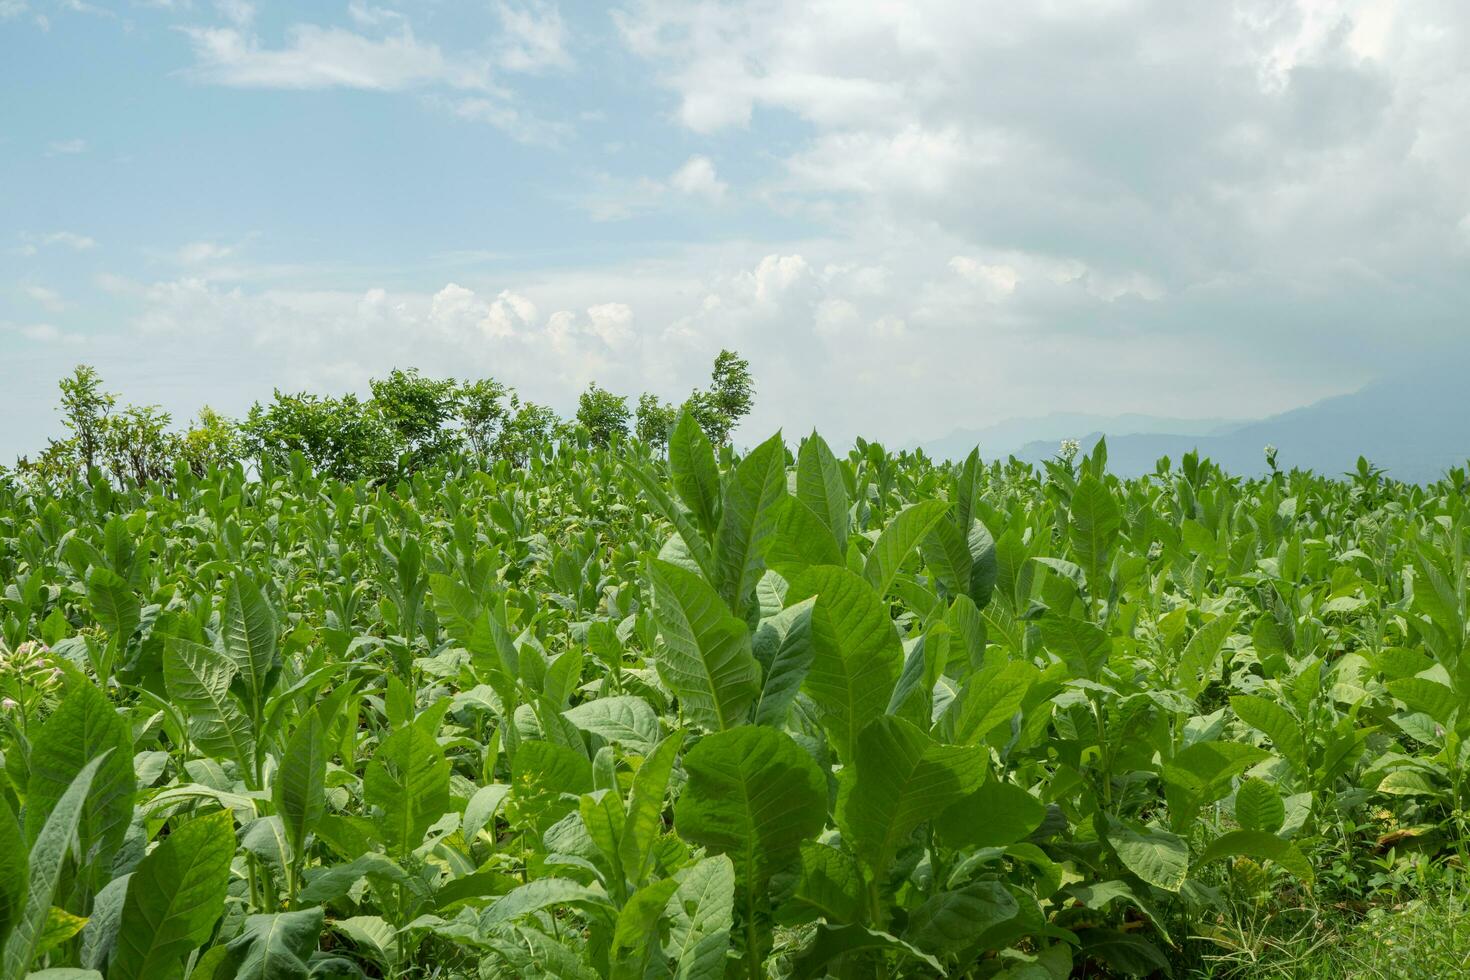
x: 341, y: 437
x: 731, y: 392
x: 418, y: 410
x: 603, y: 414
x: 526, y: 431
x: 719, y: 408
x: 213, y: 440
x: 655, y: 419
x: 84, y: 410
x: 138, y: 447
x: 481, y: 412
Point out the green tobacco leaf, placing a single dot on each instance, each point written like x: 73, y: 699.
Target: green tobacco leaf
x: 645, y: 807
x: 800, y: 540
x: 754, y: 794
x: 84, y: 726
x: 1276, y: 722
x: 113, y: 603
x: 706, y: 657
x: 856, y: 654
x: 1158, y: 857
x: 693, y: 537
x: 1094, y: 523
x: 100, y: 933
x: 902, y: 777
x: 990, y: 698
x: 198, y: 679
x: 693, y: 472
x: 1201, y: 773
x: 819, y: 486
x: 174, y: 899
x: 542, y: 893
x: 636, y: 931
x: 276, y: 947
x: 408, y: 781
x: 747, y: 520
x: 623, y: 720
x: 830, y: 882
x: 1197, y: 661
x: 300, y: 784
x: 951, y: 920
x: 1431, y: 697
x: 1258, y: 806
x: 782, y: 644
x: 542, y: 774
x: 248, y: 626
x: 701, y: 913
x: 47, y: 858
x: 1260, y: 845
x: 897, y: 541
x: 994, y: 815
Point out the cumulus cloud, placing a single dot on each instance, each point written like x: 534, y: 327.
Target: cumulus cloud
x: 697, y: 178
x: 1262, y: 168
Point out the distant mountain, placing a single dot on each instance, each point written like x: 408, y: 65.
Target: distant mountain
x: 1414, y: 427
x: 1013, y: 435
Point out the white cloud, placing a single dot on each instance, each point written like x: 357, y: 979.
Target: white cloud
x: 200, y: 253
x: 697, y: 178
x: 70, y: 239
x: 66, y: 147
x: 534, y: 37
x: 48, y: 299
x: 617, y: 199
x: 316, y: 57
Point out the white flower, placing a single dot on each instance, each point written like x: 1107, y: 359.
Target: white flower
x: 1070, y: 449
x: 8, y: 704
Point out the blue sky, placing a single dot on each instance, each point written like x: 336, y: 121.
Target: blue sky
x: 910, y: 217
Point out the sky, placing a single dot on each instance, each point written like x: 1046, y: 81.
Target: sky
x: 910, y: 216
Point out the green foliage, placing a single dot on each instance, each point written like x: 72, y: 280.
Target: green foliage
x: 418, y: 410
x: 586, y: 712
x: 654, y: 420
x: 603, y: 414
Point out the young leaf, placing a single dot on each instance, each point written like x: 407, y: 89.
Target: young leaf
x: 408, y: 781
x: 301, y: 782
x: 856, y: 654
x: 898, y: 539
x: 1258, y: 806
x: 783, y: 646
x: 693, y: 472
x: 747, y: 519
x: 820, y: 487
x: 705, y: 658
x: 249, y: 628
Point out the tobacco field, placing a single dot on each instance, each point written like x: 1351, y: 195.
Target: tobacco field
x: 616, y: 713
